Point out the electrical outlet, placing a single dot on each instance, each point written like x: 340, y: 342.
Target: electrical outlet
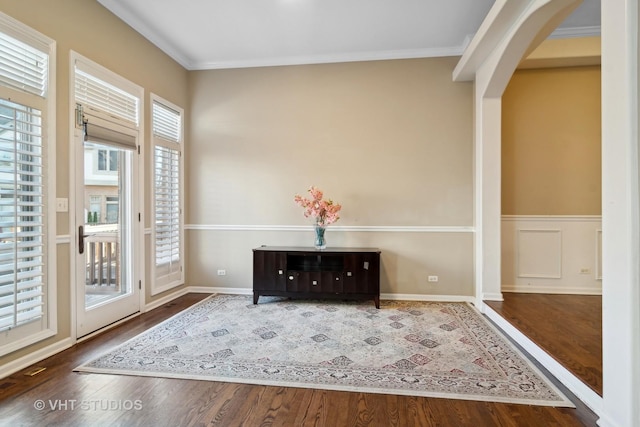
x: 222, y: 272
x: 432, y: 278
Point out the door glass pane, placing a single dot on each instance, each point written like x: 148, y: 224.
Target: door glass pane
x: 107, y: 272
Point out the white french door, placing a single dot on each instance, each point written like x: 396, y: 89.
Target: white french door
x: 107, y: 223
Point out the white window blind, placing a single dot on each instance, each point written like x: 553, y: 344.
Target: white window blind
x: 23, y: 67
x: 168, y: 199
x: 166, y: 123
x: 22, y: 216
x: 167, y: 204
x: 93, y: 92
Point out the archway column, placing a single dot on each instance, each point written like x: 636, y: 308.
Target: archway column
x: 511, y: 30
x: 487, y: 159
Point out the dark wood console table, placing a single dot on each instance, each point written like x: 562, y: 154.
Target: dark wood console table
x: 344, y: 273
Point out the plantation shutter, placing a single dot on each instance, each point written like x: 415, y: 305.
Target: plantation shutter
x: 167, y: 208
x: 167, y: 134
x: 23, y: 67
x: 21, y: 215
x: 93, y: 92
x: 166, y: 123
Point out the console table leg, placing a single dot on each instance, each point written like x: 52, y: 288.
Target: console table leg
x: 255, y: 297
x: 376, y: 299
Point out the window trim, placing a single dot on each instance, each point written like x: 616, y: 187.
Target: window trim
x: 39, y: 41
x: 157, y: 285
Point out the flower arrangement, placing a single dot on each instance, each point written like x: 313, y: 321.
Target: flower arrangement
x: 324, y: 212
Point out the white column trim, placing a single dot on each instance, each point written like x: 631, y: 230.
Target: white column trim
x: 620, y: 212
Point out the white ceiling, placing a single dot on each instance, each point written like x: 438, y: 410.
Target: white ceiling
x: 208, y: 34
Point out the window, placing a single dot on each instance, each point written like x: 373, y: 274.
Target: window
x: 27, y: 228
x: 108, y: 160
x: 94, y: 215
x: 112, y: 209
x: 168, y: 227
x: 21, y: 215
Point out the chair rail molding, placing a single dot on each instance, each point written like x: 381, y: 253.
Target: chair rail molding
x: 352, y: 228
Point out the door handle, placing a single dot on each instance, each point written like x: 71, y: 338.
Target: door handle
x: 81, y: 237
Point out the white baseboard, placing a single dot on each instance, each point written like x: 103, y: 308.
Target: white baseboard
x: 558, y: 290
x: 420, y: 297
x: 218, y: 290
x: 492, y: 297
x: 167, y: 298
x: 573, y: 383
x: 385, y: 296
x: 35, y: 357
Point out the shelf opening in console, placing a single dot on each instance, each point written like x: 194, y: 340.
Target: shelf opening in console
x: 315, y: 262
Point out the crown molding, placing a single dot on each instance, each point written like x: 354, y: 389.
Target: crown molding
x: 568, y: 33
x: 123, y: 13
x: 329, y: 59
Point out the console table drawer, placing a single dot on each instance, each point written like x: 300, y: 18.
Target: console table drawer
x: 314, y: 281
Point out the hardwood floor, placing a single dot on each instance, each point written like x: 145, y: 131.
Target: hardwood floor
x: 118, y: 400
x: 568, y: 327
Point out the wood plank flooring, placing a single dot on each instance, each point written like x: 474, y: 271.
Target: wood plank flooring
x: 108, y: 399
x: 568, y: 327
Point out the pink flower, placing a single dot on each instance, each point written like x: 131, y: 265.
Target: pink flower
x: 324, y: 212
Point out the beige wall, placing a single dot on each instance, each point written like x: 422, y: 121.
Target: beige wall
x: 89, y: 29
x: 551, y: 134
x: 389, y: 140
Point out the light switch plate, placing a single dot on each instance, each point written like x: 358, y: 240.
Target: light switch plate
x: 62, y: 205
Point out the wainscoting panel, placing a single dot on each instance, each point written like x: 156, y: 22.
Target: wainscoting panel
x: 540, y: 253
x: 552, y: 254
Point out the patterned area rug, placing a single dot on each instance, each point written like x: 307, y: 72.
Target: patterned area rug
x: 408, y: 348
